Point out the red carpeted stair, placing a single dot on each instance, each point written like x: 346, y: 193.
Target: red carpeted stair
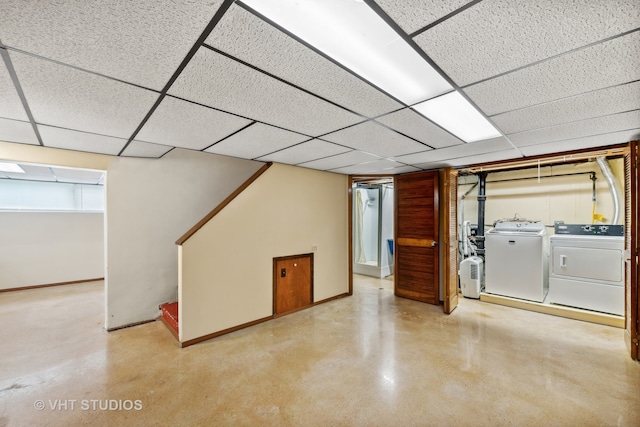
x: 170, y: 316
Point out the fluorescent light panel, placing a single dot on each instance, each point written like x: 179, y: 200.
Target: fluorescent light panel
x: 10, y: 167
x: 354, y: 35
x: 454, y: 113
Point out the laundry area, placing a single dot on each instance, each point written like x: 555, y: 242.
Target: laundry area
x: 547, y: 238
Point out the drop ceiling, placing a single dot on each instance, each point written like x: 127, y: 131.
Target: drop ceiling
x: 32, y: 172
x: 136, y: 79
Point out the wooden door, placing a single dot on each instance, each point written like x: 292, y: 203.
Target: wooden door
x: 292, y: 283
x: 416, y: 243
x: 632, y: 217
x: 449, y: 215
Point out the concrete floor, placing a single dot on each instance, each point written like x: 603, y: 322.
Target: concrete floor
x: 370, y: 359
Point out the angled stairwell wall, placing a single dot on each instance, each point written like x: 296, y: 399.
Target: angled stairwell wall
x: 225, y: 267
x: 150, y: 203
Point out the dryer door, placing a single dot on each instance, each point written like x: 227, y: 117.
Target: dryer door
x: 601, y: 265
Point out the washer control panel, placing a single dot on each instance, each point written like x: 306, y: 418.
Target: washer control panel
x: 589, y: 229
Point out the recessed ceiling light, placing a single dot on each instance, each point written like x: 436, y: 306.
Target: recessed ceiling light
x: 454, y: 113
x: 10, y: 167
x: 355, y: 36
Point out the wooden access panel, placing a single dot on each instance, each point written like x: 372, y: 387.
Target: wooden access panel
x: 416, y: 244
x: 292, y: 283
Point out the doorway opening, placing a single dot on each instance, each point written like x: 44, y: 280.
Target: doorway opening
x: 372, y: 223
x: 53, y: 222
x: 373, y: 227
x: 557, y: 193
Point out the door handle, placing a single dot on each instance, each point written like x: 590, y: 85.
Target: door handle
x: 434, y: 244
x: 563, y: 260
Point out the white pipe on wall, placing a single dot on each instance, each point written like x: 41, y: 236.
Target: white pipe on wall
x: 616, y: 193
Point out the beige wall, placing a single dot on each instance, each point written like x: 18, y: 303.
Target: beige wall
x: 150, y: 204
x: 559, y: 198
x: 226, y: 268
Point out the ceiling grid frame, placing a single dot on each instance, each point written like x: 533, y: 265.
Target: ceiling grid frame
x: 563, y: 123
x: 423, y: 54
x: 214, y: 21
x: 16, y: 82
x: 550, y: 58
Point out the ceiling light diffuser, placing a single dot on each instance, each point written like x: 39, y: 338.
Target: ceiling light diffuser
x: 352, y: 34
x: 10, y: 167
x: 455, y: 114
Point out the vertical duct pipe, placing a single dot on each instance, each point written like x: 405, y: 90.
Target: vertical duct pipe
x: 616, y: 193
x: 462, y: 236
x: 482, y: 197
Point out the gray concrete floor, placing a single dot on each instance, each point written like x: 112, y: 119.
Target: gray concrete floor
x: 370, y: 359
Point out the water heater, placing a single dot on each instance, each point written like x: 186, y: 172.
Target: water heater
x: 471, y: 276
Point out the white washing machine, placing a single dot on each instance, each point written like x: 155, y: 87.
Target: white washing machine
x: 587, y: 271
x: 516, y: 260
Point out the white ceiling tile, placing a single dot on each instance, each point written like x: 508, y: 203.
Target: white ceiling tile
x: 495, y: 36
x: 184, y: 124
x: 593, y: 104
x: 145, y: 149
x: 244, y: 36
x: 456, y: 151
x: 33, y: 173
x: 80, y: 176
x: 433, y: 165
x: 17, y: 131
x: 582, y: 128
x: 413, y: 15
x: 381, y: 167
x: 412, y: 124
x: 27, y: 177
x: 65, y: 97
x: 142, y: 41
x: 341, y: 160
x: 256, y: 141
x: 582, y: 143
x: 485, y: 158
x: 473, y: 160
x: 401, y: 169
x: 607, y: 64
x: 373, y: 138
x: 376, y: 167
x: 305, y: 152
x: 242, y: 90
x: 10, y: 104
x: 80, y: 141
x: 422, y: 157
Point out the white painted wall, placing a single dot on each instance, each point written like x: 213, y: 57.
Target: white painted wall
x: 150, y: 204
x: 38, y: 248
x: 227, y: 266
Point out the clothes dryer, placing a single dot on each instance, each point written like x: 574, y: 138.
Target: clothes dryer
x: 587, y: 271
